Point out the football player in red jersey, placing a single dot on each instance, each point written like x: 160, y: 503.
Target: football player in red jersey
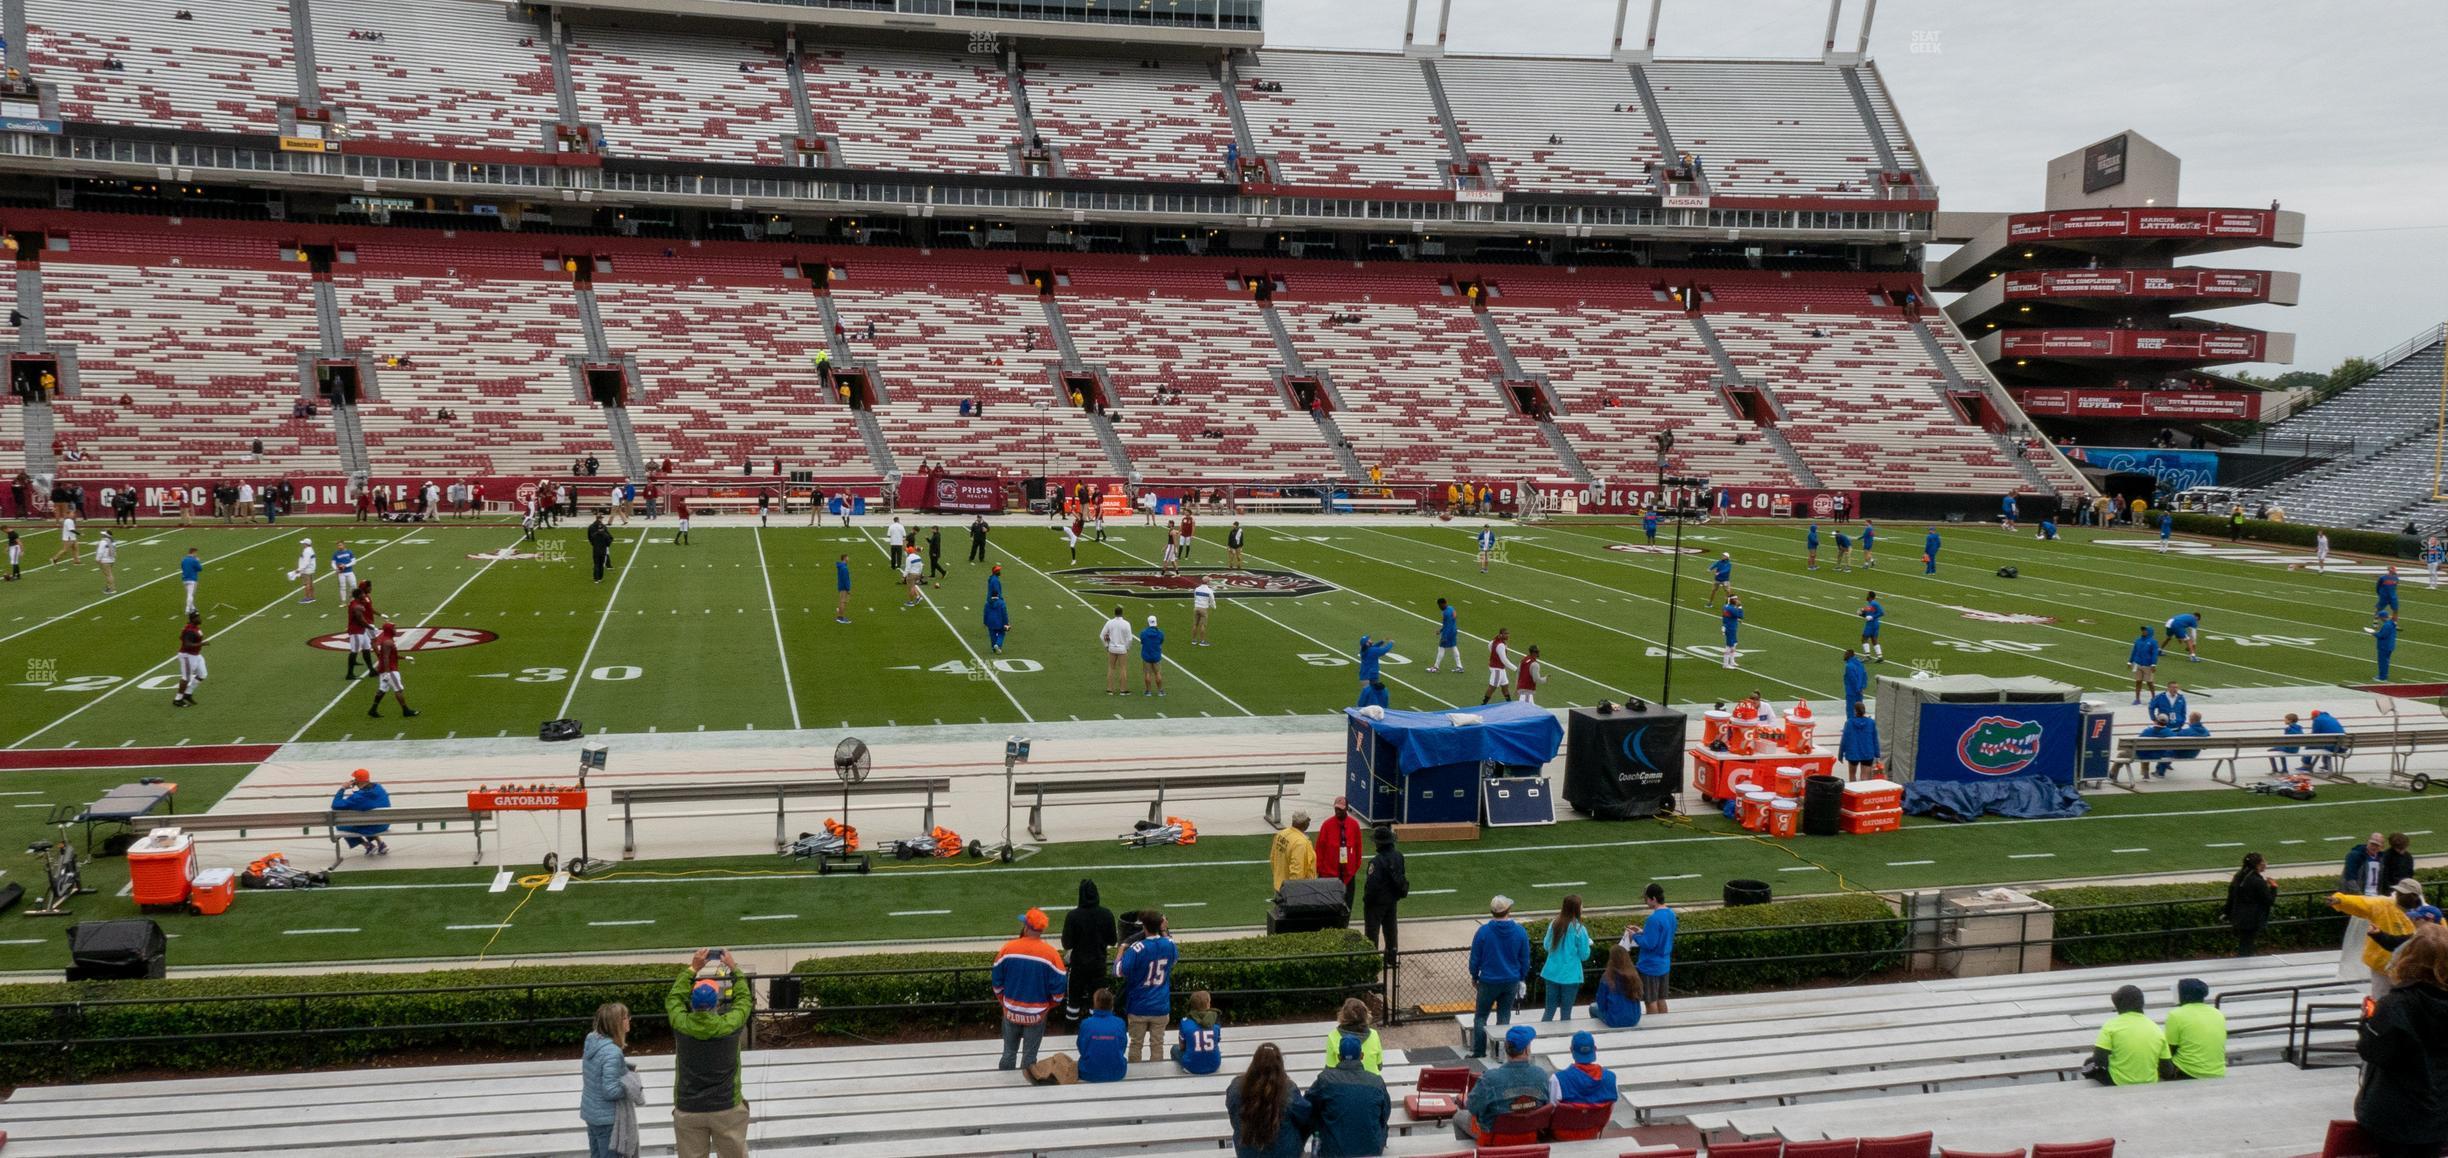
x: 190, y: 661
x: 361, y: 617
x: 387, y: 673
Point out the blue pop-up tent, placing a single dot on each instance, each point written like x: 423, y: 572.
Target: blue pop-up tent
x: 1423, y: 767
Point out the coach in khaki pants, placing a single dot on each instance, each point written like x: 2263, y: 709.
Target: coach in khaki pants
x: 709, y: 1008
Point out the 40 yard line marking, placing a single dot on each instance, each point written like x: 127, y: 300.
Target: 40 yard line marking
x: 1170, y: 661
x: 766, y: 573
x: 962, y: 640
x: 588, y: 656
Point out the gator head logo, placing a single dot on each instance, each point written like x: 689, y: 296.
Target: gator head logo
x: 1997, y: 746
x: 1151, y: 583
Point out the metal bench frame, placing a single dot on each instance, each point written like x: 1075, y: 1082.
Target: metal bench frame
x: 1036, y: 790
x: 330, y: 821
x: 781, y: 793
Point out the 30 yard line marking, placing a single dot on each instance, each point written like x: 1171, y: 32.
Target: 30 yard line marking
x: 773, y: 917
x: 2129, y: 850
x: 141, y: 676
x: 1804, y: 868
x: 1430, y: 892
x: 464, y: 928
x: 1560, y: 885
x: 2029, y: 855
x: 2226, y: 844
x: 588, y: 656
x: 780, y: 650
x: 436, y: 613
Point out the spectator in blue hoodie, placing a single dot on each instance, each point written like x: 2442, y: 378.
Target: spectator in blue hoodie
x: 1372, y: 652
x: 1200, y: 1049
x: 1499, y: 962
x: 1146, y: 970
x: 1373, y: 693
x: 1859, y: 748
x: 1810, y: 546
x: 1856, y: 679
x: 1929, y: 552
x: 998, y: 622
x: 2191, y: 728
x: 1653, y: 943
x: 1350, y: 1105
x: 1585, y: 1082
x: 1103, y: 1039
x: 2384, y: 640
x: 2323, y: 724
x: 362, y: 794
x: 2278, y: 755
x: 2169, y: 707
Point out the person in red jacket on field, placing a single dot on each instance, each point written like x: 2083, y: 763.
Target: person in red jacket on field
x: 1338, y: 848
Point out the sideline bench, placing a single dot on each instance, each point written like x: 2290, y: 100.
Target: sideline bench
x: 1226, y: 786
x: 306, y: 821
x: 2225, y: 749
x: 780, y: 792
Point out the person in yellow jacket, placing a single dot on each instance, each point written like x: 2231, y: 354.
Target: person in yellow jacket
x: 1293, y: 857
x: 2388, y: 918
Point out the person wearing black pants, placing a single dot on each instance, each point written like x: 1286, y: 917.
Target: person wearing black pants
x: 977, y: 539
x: 2249, y: 899
x: 599, y: 537
x: 1088, y: 937
x: 935, y: 565
x: 1383, y: 892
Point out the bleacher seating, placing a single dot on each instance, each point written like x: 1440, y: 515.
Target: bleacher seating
x: 227, y: 70
x: 1624, y: 370
x: 912, y: 111
x: 454, y: 75
x: 955, y: 341
x: 489, y: 346
x: 1507, y: 108
x: 1114, y: 118
x: 727, y: 375
x: 1345, y: 119
x: 207, y: 359
x: 2390, y: 475
x: 1418, y: 382
x: 1864, y: 405
x: 1213, y: 351
x: 683, y: 97
x: 1765, y: 128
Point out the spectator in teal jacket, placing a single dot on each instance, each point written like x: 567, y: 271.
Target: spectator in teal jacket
x: 709, y: 1007
x: 1568, y: 954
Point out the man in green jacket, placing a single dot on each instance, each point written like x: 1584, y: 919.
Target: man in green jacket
x: 709, y: 1008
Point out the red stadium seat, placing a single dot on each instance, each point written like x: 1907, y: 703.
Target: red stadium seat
x: 1519, y: 1128
x: 1831, y: 1148
x: 2346, y: 1139
x: 1897, y: 1146
x: 1660, y: 1154
x: 1533, y: 1150
x: 1576, y: 1122
x: 1455, y: 1080
x: 2104, y: 1148
x: 1949, y: 1152
x: 1757, y: 1148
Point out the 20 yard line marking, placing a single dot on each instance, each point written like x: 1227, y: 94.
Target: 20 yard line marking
x: 2029, y: 855
x: 1902, y: 863
x: 766, y: 573
x: 2129, y: 850
x: 1560, y: 885
x: 773, y: 917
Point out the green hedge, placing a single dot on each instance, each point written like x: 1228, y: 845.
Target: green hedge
x: 289, y: 1017
x: 2168, y: 922
x: 2387, y: 543
x: 882, y: 991
x: 1820, y: 934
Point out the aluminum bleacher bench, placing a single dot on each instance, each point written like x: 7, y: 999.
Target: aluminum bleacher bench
x: 1220, y: 786
x: 2225, y: 749
x: 307, y: 822
x: 781, y: 793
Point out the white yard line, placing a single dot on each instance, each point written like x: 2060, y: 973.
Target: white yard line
x: 962, y: 640
x: 1170, y: 661
x: 436, y: 613
x: 578, y: 674
x: 766, y: 573
x: 277, y: 600
x: 122, y: 591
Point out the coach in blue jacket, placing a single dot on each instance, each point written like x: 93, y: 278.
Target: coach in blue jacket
x: 1499, y: 963
x: 1856, y: 679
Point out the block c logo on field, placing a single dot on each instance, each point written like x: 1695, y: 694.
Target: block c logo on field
x: 1997, y: 746
x: 416, y: 639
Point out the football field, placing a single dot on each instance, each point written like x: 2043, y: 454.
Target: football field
x: 735, y: 630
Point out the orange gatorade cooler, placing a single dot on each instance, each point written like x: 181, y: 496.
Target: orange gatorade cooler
x: 1755, y: 809
x: 1713, y: 727
x: 1784, y: 817
x: 1789, y: 781
x: 213, y: 891
x: 1742, y: 737
x: 160, y: 867
x: 1799, y: 728
x: 1873, y: 796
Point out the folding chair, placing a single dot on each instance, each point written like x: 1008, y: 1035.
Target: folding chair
x: 2104, y: 1148
x: 1575, y: 1122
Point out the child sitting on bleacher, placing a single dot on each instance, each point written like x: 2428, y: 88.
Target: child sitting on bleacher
x: 1201, y: 1048
x: 1103, y: 1038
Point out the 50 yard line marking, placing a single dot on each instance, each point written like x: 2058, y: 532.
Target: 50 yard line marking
x: 766, y: 573
x: 141, y: 676
x: 439, y: 608
x: 606, y: 617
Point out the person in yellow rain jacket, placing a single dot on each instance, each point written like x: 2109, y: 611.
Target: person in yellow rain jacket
x: 1293, y: 857
x: 2388, y: 918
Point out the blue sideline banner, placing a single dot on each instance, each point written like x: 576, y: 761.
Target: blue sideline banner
x: 1993, y: 742
x: 2176, y: 470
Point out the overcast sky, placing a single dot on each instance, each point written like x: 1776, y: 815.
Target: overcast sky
x: 2338, y: 110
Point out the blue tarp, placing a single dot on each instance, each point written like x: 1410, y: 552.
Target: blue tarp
x: 2020, y: 797
x: 1517, y: 734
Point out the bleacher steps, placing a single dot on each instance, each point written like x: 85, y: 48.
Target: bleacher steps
x: 39, y: 461
x: 1667, y: 149
x: 29, y: 303
x: 1445, y: 116
x: 1792, y: 458
x: 348, y: 435
x: 1870, y: 119
x: 564, y: 94
x: 1732, y: 373
x: 1328, y: 428
x: 1115, y: 452
x: 301, y: 45
x: 35, y: 417
x: 802, y: 114
x: 871, y: 430
x: 624, y: 442
x: 1997, y: 397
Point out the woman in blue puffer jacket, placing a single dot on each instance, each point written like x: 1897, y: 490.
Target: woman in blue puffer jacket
x: 603, y: 1080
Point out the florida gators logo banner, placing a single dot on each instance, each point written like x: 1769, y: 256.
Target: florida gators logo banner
x: 1994, y: 746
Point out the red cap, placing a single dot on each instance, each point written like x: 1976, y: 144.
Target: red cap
x: 1035, y: 919
x: 361, y: 776
x: 1341, y: 802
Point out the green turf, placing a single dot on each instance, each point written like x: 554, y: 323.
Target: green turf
x: 685, y: 638
x: 1222, y: 881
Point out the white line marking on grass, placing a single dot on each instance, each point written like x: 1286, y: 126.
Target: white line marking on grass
x: 916, y: 913
x: 2129, y: 850
x: 465, y: 928
x: 1681, y: 877
x: 23, y: 793
x: 1560, y: 885
x: 2418, y: 832
x: 963, y: 641
x: 2029, y: 855
x: 1430, y: 892
x: 35, y: 941
x: 141, y: 676
x: 436, y: 613
x: 615, y: 924
x: 783, y: 652
x: 2290, y: 842
x: 312, y: 932
x: 773, y: 917
x: 2336, y: 838
x: 44, y: 805
x: 1900, y: 863
x: 1185, y: 905
x: 588, y: 656
x: 2226, y: 844
x: 1807, y: 868
x: 1176, y: 664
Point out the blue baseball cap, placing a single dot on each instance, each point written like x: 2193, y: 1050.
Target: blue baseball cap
x: 1585, y: 1048
x: 704, y: 996
x: 1518, y: 1038
x: 1351, y: 1047
x: 2429, y: 913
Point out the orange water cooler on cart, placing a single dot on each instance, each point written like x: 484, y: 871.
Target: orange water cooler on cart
x: 160, y: 867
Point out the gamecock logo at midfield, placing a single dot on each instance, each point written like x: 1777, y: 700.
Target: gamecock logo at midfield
x: 1150, y: 583
x: 416, y: 639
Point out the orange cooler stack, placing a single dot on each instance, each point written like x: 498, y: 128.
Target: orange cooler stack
x: 213, y: 892
x: 160, y: 867
x: 1872, y: 806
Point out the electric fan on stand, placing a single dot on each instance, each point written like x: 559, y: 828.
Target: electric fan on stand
x: 851, y: 763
